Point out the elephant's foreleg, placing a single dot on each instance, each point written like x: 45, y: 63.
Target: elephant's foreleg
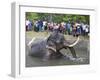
x: 59, y: 54
x: 73, y: 52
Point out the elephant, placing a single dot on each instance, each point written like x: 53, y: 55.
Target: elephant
x: 49, y: 48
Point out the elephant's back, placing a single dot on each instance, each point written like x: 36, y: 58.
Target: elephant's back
x: 38, y: 48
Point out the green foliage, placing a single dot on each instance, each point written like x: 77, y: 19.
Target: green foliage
x: 57, y: 17
x: 31, y: 16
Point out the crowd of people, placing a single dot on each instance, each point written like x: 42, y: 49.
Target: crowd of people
x: 70, y: 28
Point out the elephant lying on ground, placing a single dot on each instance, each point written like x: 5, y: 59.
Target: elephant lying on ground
x: 50, y: 48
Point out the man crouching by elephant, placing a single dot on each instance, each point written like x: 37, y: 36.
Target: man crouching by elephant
x: 50, y: 47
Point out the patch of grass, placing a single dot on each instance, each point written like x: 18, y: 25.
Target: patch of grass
x: 31, y: 34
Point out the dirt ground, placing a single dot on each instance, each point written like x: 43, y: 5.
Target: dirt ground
x: 82, y: 51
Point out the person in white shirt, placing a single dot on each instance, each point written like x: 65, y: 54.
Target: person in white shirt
x: 56, y: 27
x: 87, y: 29
x: 27, y: 24
x: 83, y: 28
x: 44, y: 25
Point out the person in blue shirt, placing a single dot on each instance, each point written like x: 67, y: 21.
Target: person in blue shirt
x: 68, y: 27
x: 30, y: 25
x: 40, y: 25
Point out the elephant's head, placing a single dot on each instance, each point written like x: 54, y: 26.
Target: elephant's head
x: 57, y: 39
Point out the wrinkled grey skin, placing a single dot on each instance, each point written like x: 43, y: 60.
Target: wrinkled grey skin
x: 57, y: 41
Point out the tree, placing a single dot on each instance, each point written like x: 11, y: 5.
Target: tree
x: 50, y: 17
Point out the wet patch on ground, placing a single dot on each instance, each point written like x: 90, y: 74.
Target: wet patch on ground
x: 82, y: 51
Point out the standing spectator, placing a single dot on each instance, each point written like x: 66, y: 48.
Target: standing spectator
x: 78, y: 30
x: 50, y: 26
x: 56, y: 27
x: 68, y: 27
x: 36, y: 26
x: 30, y: 25
x: 74, y: 29
x: 40, y: 25
x: 27, y: 24
x: 71, y: 30
x: 86, y: 30
x: 83, y: 27
x: 44, y: 25
x: 81, y: 24
x: 62, y: 27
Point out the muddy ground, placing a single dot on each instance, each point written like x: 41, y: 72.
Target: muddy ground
x: 82, y: 51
